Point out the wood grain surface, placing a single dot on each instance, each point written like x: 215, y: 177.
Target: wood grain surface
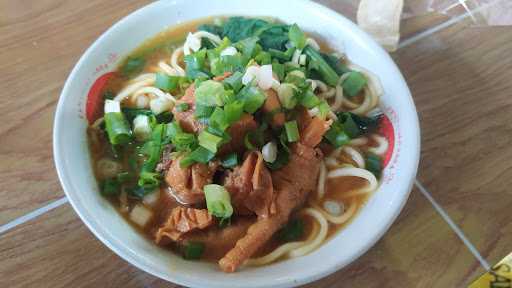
x: 461, y: 81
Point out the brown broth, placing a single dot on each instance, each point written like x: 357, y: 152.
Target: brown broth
x: 154, y: 50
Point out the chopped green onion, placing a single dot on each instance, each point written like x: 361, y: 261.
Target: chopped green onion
x: 149, y: 180
x: 292, y: 131
x: 117, y: 128
x: 200, y: 155
x: 165, y: 82
x: 233, y: 111
x: 323, y: 109
x: 354, y: 83
x: 336, y: 135
x: 230, y: 161
x: 227, y: 63
x: 336, y: 63
x: 318, y: 63
x: 278, y: 69
x: 155, y: 152
x: 141, y: 127
x: 171, y: 130
x: 110, y: 187
x: 184, y: 141
x: 283, y: 56
x: 297, y: 37
x: 286, y: 94
x: 234, y: 81
x: 209, y: 141
x: 195, y: 65
x: 218, y: 119
x: 374, y: 164
x: 192, y: 250
x: 252, y: 97
x: 203, y: 111
x: 182, y: 107
x: 292, y: 231
x: 308, y: 99
x: 263, y: 58
x: 218, y: 201
x: 210, y: 93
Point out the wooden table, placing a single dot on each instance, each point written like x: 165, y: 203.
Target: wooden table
x: 461, y: 80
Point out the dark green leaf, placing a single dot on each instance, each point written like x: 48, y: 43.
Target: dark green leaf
x: 110, y: 187
x: 374, y: 164
x: 293, y: 231
x: 133, y: 66
x: 192, y: 250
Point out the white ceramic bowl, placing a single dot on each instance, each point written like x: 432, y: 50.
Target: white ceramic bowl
x: 74, y: 166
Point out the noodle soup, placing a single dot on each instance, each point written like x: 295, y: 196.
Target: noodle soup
x: 240, y: 141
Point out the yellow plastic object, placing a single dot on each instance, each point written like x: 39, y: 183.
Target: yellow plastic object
x: 500, y: 276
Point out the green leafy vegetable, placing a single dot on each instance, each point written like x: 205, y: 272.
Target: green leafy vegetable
x: 110, y: 187
x: 239, y: 28
x: 218, y: 201
x: 274, y: 36
x: 374, y: 164
x: 214, y: 29
x: 336, y: 63
x: 356, y: 125
x: 293, y: 231
x: 192, y: 250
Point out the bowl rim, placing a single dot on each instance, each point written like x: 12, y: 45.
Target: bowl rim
x: 103, y: 235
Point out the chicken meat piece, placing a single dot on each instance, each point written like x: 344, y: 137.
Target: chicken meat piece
x: 182, y: 220
x: 292, y: 184
x: 250, y: 187
x: 272, y: 107
x: 186, y: 119
x: 186, y: 183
